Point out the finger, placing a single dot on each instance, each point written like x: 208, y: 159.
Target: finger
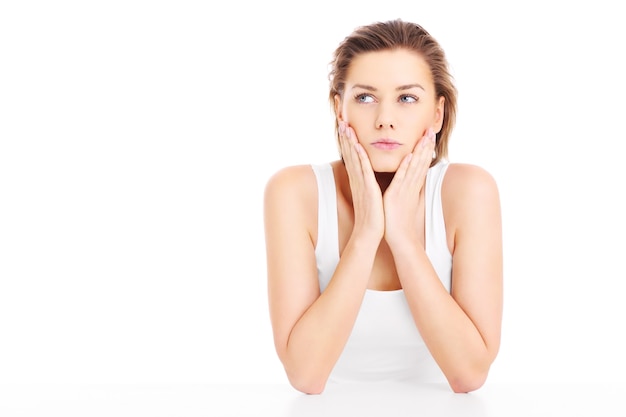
x: 422, y: 156
x: 363, y: 159
x: 426, y: 143
x: 346, y: 148
x: 403, y: 168
x: 342, y: 139
x: 366, y: 165
x: 352, y: 159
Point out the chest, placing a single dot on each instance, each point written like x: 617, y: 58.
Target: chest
x: 384, y: 276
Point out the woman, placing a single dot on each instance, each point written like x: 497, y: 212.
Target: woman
x: 387, y: 263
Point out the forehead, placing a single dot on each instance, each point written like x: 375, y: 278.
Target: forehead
x: 389, y: 68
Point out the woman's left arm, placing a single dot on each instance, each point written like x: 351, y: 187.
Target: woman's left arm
x: 462, y: 327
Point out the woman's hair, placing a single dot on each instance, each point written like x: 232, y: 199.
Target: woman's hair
x: 396, y: 34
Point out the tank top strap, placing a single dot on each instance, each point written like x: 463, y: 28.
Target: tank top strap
x: 327, y: 247
x: 435, y: 226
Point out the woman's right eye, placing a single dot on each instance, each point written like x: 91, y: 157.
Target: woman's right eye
x: 364, y: 98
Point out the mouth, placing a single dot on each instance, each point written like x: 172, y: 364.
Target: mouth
x: 386, y: 144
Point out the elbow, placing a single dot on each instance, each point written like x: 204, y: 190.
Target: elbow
x: 311, y: 385
x: 305, y: 376
x: 307, y: 380
x: 469, y: 382
x: 470, y: 376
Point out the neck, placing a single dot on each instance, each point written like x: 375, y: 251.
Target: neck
x: 384, y: 179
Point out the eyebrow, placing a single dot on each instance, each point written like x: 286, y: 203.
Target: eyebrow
x: 400, y: 88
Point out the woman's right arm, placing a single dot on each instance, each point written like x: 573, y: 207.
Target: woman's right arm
x: 310, y: 329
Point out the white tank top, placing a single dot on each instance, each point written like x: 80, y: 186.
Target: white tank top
x: 385, y: 343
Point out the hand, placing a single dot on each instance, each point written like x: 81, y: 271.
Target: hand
x: 401, y: 200
x: 369, y: 218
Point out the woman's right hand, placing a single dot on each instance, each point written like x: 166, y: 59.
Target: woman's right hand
x: 367, y: 199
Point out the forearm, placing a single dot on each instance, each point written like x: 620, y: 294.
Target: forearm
x: 452, y: 338
x: 318, y: 338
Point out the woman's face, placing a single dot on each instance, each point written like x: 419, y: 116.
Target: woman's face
x: 389, y: 101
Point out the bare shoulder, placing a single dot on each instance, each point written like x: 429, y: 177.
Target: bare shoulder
x: 470, y: 198
x: 290, y: 182
x: 291, y: 196
x: 471, y: 208
x: 464, y: 183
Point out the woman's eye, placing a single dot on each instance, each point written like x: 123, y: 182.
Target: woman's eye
x: 408, y: 99
x: 364, y: 98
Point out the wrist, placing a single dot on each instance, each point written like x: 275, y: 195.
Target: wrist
x: 365, y: 239
x: 403, y: 242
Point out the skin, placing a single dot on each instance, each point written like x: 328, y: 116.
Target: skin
x: 380, y: 206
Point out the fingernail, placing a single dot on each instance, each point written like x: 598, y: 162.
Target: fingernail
x: 341, y: 127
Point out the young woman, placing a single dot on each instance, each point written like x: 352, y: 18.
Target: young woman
x: 387, y: 263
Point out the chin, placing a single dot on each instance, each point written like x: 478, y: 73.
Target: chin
x: 385, y: 164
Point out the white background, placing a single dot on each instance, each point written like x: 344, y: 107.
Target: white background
x: 136, y: 138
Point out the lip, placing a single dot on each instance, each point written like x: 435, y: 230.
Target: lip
x: 386, y: 144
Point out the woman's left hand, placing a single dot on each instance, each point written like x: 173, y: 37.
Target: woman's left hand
x: 401, y: 199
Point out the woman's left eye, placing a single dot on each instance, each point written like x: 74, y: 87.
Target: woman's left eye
x: 408, y: 99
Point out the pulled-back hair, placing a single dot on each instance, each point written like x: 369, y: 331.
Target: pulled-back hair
x: 397, y: 34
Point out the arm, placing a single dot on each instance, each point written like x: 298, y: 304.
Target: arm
x: 310, y: 330
x: 461, y: 328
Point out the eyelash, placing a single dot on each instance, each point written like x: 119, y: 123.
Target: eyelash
x: 360, y: 96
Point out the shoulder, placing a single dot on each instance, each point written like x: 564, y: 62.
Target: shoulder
x: 291, y: 187
x: 471, y: 207
x: 290, y: 205
x: 292, y: 179
x: 469, y: 190
x: 467, y: 181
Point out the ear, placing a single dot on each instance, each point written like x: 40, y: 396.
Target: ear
x: 439, y: 113
x: 338, y: 107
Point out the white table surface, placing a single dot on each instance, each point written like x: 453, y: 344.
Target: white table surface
x: 275, y: 400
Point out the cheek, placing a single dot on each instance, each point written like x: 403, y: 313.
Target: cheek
x: 418, y: 122
x: 358, y: 116
x: 349, y: 112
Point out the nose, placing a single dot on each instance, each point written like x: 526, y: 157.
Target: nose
x: 384, y: 117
